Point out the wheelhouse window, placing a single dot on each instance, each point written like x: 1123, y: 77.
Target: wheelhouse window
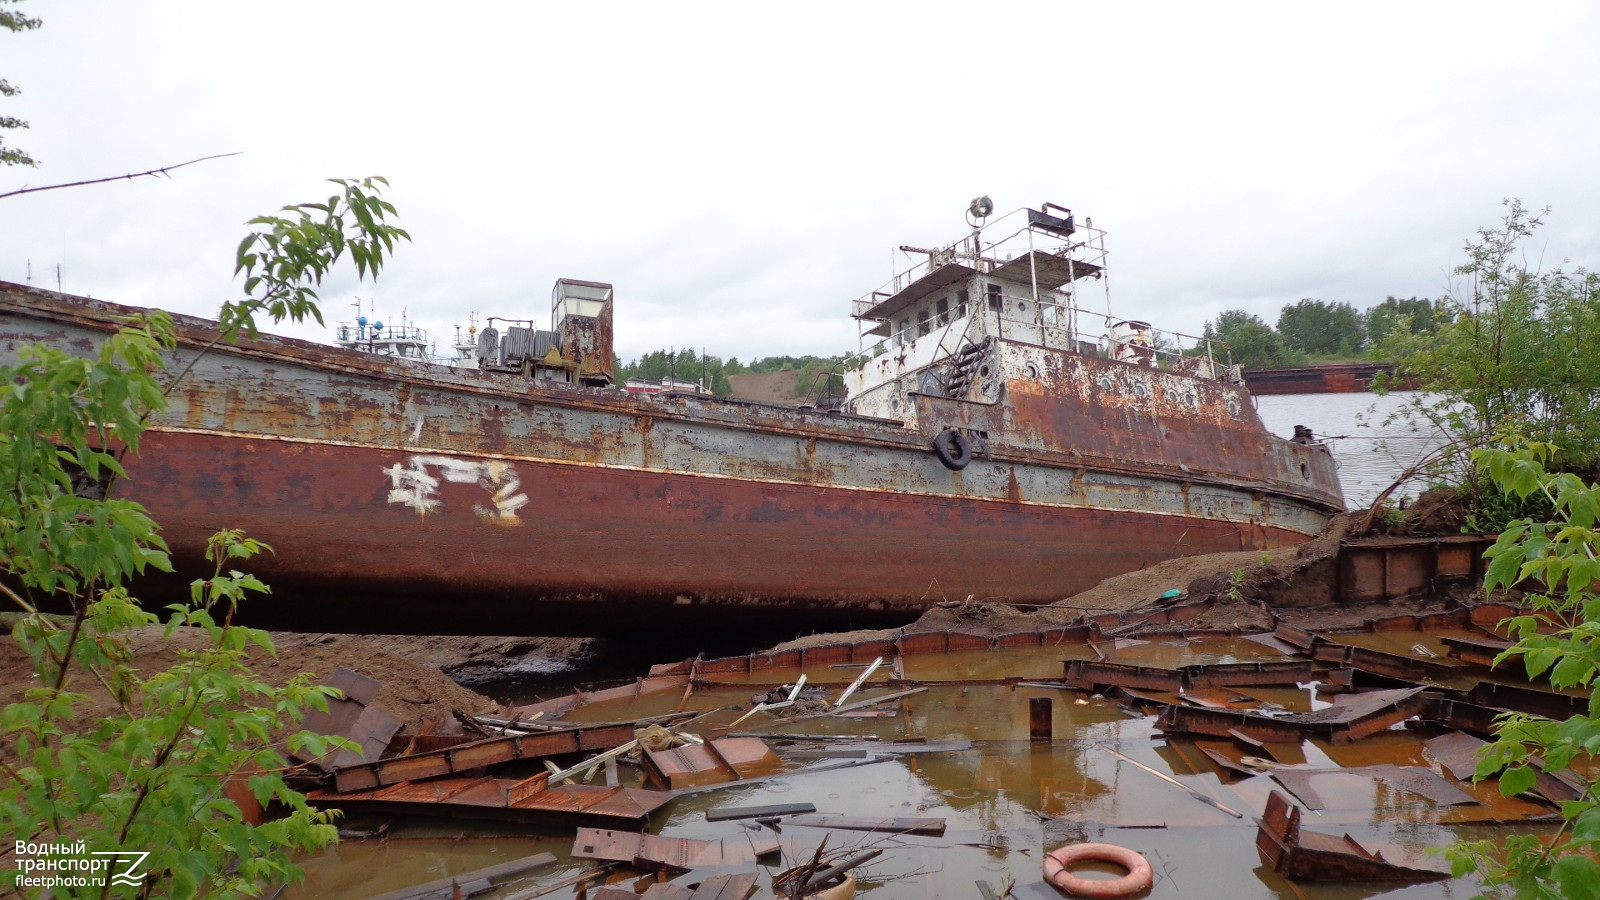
x: 942, y: 312
x: 962, y: 298
x: 922, y: 323
x: 996, y: 300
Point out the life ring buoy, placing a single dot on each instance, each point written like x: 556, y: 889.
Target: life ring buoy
x: 952, y: 448
x: 1059, y: 861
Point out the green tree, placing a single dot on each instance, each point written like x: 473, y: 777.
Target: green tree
x: 150, y: 776
x: 1319, y: 327
x: 13, y: 21
x: 1252, y: 342
x: 1413, y: 315
x: 1558, y: 641
x: 1517, y: 349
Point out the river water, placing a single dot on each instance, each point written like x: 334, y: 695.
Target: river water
x: 1371, y: 446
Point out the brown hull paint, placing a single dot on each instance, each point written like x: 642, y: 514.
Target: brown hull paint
x: 597, y: 542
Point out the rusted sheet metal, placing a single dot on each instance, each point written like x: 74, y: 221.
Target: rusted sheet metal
x: 1225, y: 674
x: 1089, y: 675
x: 1313, y: 786
x: 1228, y: 765
x: 1458, y: 754
x: 1177, y: 719
x: 350, y: 717
x: 1477, y: 651
x: 1458, y: 714
x: 1355, y: 718
x: 480, y: 754
x: 925, y: 826
x: 1372, y: 569
x: 1394, y: 665
x: 1273, y: 642
x: 445, y: 887
x: 1294, y: 637
x: 392, y: 485
x: 1330, y: 378
x: 528, y: 800
x: 1103, y: 407
x: 723, y: 759
x: 587, y: 342
x: 1312, y: 856
x: 1550, y: 704
x: 1488, y: 616
x: 673, y: 852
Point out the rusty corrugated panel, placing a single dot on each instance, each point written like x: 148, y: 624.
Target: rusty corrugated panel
x: 1311, y: 856
x: 1091, y: 675
x: 1224, y: 674
x: 1355, y: 718
x: 1478, y: 651
x: 723, y: 759
x: 501, y: 798
x: 675, y: 852
x: 479, y: 754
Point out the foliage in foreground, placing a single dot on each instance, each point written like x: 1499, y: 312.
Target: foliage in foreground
x: 147, y: 782
x: 1555, y: 562
x: 1517, y: 349
x: 12, y: 156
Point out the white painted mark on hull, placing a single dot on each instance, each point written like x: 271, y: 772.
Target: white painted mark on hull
x: 417, y: 485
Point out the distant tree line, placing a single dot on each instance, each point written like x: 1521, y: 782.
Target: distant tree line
x: 712, y: 372
x: 1316, y: 330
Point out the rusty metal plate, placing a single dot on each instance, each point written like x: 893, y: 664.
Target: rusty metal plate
x: 1318, y: 788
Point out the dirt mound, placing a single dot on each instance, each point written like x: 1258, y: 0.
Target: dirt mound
x: 412, y: 692
x: 478, y: 659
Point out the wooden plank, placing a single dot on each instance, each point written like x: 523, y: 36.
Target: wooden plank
x: 926, y: 826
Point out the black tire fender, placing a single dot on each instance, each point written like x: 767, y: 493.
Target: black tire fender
x: 953, y: 449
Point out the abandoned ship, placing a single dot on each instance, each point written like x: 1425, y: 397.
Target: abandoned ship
x: 1001, y: 441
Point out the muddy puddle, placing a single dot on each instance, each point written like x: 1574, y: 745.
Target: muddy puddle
x: 1005, y: 800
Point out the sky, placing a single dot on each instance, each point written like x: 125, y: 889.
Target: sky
x: 740, y: 172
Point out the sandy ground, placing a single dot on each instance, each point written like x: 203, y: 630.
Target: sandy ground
x: 412, y: 692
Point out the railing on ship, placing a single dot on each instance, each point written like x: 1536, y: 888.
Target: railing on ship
x: 1128, y: 340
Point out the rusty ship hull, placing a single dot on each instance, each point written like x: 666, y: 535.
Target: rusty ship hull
x: 408, y: 498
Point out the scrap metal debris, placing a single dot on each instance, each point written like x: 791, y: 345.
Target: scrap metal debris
x: 1313, y: 856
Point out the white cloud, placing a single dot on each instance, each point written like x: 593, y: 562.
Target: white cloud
x: 741, y: 172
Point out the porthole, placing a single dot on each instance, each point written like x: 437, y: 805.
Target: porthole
x: 1033, y: 371
x: 983, y: 371
x: 1305, y: 471
x: 1022, y: 306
